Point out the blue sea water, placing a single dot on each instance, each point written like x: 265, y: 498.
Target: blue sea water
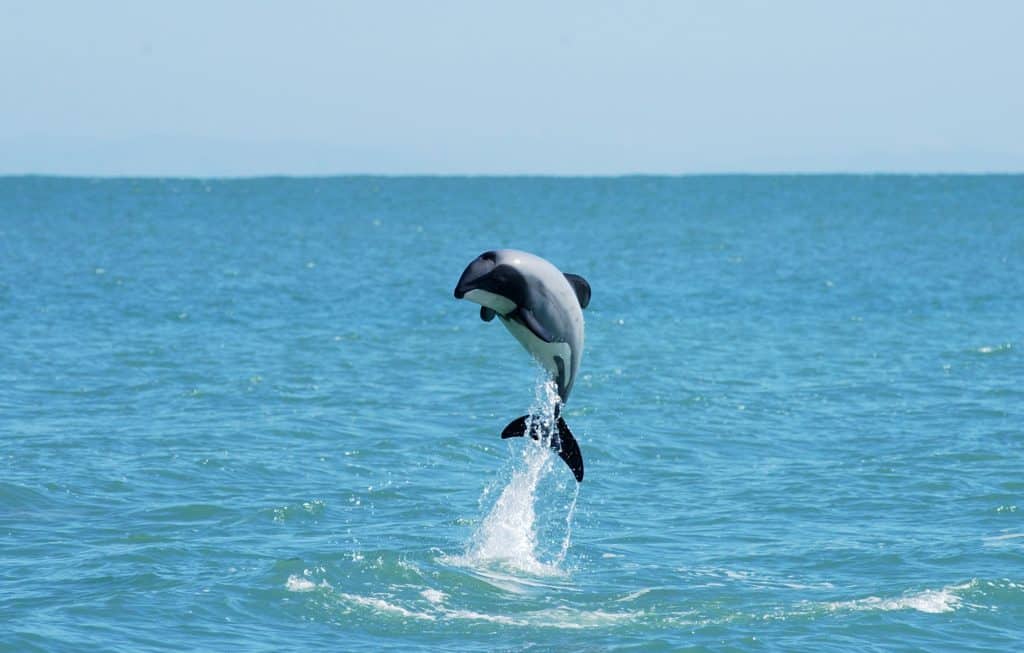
x: 250, y: 415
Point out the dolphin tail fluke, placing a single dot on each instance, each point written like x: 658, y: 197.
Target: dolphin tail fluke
x: 569, y: 451
x: 565, y: 444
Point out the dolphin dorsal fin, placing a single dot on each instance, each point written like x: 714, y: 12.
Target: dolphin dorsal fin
x: 581, y: 287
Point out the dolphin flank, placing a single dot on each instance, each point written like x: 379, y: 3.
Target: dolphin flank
x: 543, y: 309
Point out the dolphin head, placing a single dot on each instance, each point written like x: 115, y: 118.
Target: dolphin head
x: 493, y: 280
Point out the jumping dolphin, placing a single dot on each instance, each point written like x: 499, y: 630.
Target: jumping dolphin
x: 543, y: 309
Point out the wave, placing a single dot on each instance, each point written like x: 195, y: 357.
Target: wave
x: 431, y: 604
x: 946, y: 599
x: 434, y: 607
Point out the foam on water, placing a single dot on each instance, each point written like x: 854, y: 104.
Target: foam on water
x: 946, y: 599
x: 298, y: 583
x: 434, y: 596
x: 433, y: 605
x: 562, y: 618
x: 429, y: 604
x: 386, y: 607
x: 1006, y: 539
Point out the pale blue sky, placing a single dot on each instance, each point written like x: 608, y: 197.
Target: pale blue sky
x: 575, y: 87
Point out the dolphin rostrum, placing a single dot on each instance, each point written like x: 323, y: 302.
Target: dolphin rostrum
x: 543, y: 309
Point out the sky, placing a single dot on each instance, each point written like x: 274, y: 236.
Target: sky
x: 221, y: 88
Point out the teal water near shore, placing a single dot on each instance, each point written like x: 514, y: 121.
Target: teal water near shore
x: 249, y: 415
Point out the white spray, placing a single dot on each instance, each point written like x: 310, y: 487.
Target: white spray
x: 511, y: 534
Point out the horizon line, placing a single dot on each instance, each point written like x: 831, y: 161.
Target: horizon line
x: 504, y: 175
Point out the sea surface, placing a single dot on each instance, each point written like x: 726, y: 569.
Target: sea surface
x: 249, y: 415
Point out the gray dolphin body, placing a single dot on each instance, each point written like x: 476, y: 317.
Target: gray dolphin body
x: 543, y: 309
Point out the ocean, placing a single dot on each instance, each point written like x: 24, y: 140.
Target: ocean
x: 250, y: 415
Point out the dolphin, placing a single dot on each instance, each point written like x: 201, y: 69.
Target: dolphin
x: 543, y: 309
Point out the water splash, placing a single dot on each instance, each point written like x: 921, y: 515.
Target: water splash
x: 528, y: 516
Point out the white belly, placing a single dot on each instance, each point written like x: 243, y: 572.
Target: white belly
x: 544, y: 352
x: 497, y: 303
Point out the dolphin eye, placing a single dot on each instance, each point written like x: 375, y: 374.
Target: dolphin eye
x: 489, y: 256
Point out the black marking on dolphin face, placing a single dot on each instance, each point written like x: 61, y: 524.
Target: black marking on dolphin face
x: 485, y: 273
x: 478, y: 269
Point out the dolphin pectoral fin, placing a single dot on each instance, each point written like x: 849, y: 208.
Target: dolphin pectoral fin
x: 516, y: 428
x: 580, y: 287
x: 565, y: 444
x: 569, y: 450
x: 486, y: 314
x: 529, y: 320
